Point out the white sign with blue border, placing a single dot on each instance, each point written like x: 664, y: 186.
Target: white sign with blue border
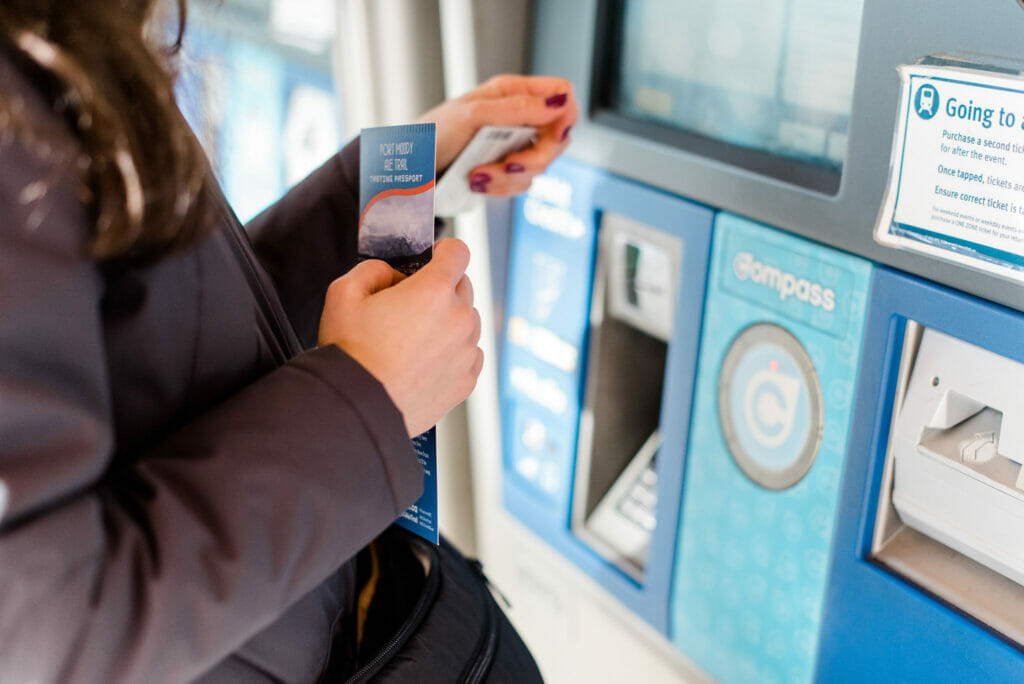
x: 956, y: 187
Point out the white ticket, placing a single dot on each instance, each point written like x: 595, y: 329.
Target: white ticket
x: 453, y: 195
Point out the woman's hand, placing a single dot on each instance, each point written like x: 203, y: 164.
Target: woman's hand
x: 418, y: 335
x: 544, y: 102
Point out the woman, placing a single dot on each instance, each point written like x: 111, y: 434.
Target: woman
x: 192, y: 452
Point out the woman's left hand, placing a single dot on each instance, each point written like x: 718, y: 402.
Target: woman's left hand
x: 544, y: 102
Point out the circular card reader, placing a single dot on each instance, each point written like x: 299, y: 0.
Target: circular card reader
x: 770, y: 406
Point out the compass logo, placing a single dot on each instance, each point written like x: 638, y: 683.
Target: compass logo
x: 747, y: 267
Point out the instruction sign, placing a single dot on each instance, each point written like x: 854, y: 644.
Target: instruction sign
x: 956, y: 188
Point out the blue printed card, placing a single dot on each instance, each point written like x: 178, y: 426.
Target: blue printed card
x: 396, y: 195
x: 421, y: 517
x: 396, y: 224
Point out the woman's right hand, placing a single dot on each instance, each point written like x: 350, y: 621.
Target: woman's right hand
x: 547, y: 103
x: 417, y: 335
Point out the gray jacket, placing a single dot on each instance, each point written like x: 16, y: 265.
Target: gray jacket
x: 181, y: 486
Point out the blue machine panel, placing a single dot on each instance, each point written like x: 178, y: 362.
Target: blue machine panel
x: 779, y: 358
x: 880, y: 627
x: 265, y: 119
x: 543, y: 368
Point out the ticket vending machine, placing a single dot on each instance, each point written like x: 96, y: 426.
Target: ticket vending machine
x: 841, y: 444
x: 259, y: 70
x: 600, y: 343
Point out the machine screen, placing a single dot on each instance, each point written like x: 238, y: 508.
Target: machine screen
x: 769, y: 81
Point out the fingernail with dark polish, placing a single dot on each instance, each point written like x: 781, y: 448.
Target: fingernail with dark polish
x: 565, y: 133
x: 513, y: 167
x: 557, y: 100
x: 478, y: 182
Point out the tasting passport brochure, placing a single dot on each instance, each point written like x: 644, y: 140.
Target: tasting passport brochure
x: 396, y: 224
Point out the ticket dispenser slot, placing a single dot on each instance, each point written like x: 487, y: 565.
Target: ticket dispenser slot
x: 955, y: 478
x: 614, y: 506
x: 898, y: 584
x: 603, y: 318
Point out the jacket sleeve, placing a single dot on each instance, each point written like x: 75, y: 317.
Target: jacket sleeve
x: 308, y: 238
x: 154, y: 567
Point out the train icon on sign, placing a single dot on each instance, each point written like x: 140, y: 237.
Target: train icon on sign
x: 926, y: 102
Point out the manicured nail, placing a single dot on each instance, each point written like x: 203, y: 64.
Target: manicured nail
x: 557, y: 100
x: 513, y: 167
x: 565, y: 133
x: 478, y: 182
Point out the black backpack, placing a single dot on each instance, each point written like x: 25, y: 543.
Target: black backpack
x: 439, y: 625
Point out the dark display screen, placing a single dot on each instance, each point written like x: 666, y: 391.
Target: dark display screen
x: 762, y: 84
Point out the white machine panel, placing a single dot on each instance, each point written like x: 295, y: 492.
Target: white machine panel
x: 959, y: 450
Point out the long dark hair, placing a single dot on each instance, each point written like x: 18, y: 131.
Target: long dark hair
x: 144, y: 175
